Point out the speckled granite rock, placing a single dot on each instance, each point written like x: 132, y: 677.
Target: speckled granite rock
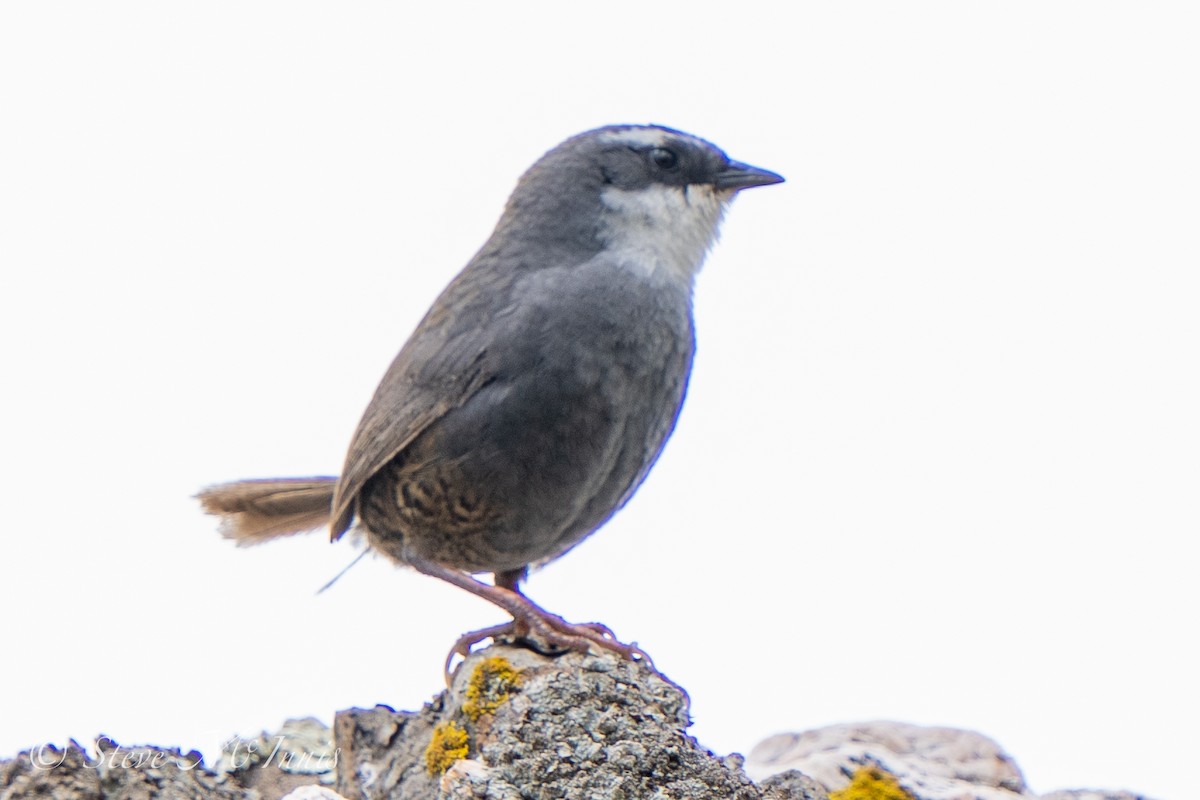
x: 265, y: 768
x: 514, y: 726
x: 519, y: 725
x: 298, y: 755
x: 932, y: 763
x: 114, y: 771
x: 793, y: 784
x: 60, y: 773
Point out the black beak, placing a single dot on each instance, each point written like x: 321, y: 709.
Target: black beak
x: 737, y: 176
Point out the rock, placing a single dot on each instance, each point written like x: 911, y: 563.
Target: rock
x: 792, y: 785
x: 516, y: 724
x: 143, y: 773
x: 299, y: 754
x: 130, y: 773
x: 66, y: 774
x: 931, y: 763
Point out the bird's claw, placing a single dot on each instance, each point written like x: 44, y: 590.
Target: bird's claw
x: 463, y: 646
x: 549, y: 635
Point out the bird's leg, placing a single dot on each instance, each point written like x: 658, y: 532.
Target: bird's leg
x: 517, y: 629
x: 511, y: 580
x: 528, y: 617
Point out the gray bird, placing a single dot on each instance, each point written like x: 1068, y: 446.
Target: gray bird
x: 533, y: 398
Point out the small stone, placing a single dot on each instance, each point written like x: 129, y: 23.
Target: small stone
x: 312, y: 793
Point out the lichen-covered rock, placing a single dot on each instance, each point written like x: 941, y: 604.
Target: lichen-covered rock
x: 384, y: 753
x: 115, y: 771
x: 516, y: 725
x: 148, y: 773
x: 50, y: 772
x: 930, y: 763
x: 119, y: 772
x: 573, y: 726
x: 872, y: 783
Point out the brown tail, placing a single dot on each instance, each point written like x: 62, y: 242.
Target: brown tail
x: 253, y: 512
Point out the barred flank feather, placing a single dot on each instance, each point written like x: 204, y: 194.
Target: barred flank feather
x: 256, y: 511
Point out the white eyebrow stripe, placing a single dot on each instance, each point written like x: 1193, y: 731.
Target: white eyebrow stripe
x: 645, y: 137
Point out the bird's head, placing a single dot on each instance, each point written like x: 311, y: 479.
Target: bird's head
x: 650, y: 195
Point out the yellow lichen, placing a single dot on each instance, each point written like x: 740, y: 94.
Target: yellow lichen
x: 872, y: 783
x: 489, y: 686
x: 447, y: 745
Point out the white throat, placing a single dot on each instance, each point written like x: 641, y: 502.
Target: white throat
x: 663, y: 231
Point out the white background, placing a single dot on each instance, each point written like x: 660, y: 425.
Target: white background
x: 940, y: 458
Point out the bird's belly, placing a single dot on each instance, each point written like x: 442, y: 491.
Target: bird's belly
x: 525, y: 469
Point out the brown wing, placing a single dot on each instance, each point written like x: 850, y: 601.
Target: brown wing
x: 441, y: 366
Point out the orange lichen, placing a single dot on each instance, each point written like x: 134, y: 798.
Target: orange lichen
x: 447, y: 745
x: 490, y: 685
x: 872, y: 783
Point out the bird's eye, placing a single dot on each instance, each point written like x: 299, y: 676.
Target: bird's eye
x: 664, y: 158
